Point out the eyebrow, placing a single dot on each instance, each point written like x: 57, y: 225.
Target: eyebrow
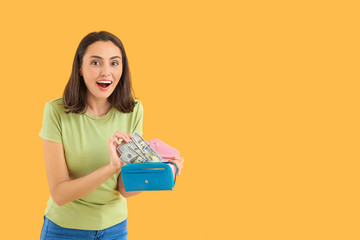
x: 93, y: 56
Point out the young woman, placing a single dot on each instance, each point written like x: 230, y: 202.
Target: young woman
x: 80, y: 134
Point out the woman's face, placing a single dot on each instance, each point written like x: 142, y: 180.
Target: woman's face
x: 101, y: 69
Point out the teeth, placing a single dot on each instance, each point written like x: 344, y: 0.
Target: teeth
x: 108, y: 82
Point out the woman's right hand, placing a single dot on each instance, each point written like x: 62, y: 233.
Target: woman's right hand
x: 115, y: 162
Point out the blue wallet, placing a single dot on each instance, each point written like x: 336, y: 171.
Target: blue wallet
x: 148, y: 176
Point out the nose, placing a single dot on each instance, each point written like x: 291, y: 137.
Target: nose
x: 105, y: 71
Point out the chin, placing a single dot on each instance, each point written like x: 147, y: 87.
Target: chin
x: 101, y: 95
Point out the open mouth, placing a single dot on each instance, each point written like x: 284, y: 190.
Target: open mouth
x: 104, y: 84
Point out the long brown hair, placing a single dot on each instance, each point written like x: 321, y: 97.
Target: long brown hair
x: 74, y: 96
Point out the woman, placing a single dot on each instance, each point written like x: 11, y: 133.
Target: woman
x: 80, y: 134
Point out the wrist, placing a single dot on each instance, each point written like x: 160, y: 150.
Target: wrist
x: 111, y: 170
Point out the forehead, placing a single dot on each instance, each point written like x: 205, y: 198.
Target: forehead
x: 103, y: 49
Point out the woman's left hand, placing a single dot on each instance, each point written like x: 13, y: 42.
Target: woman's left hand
x: 179, y: 161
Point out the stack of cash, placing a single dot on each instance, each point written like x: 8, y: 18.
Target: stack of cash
x: 137, y: 151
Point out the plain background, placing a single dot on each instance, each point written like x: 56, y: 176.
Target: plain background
x: 260, y: 97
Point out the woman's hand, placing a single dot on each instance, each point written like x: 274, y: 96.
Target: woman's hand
x: 179, y: 161
x: 115, y: 163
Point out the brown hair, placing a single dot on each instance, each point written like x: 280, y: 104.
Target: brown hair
x: 74, y: 96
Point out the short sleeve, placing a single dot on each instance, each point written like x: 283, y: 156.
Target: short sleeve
x: 51, y: 128
x: 138, y: 111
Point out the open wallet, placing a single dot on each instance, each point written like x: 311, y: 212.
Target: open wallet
x: 152, y: 176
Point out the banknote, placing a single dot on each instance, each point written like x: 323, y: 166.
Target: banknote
x: 134, y: 145
x: 129, y: 156
x: 153, y: 158
x: 122, y: 147
x: 138, y: 150
x: 146, y: 148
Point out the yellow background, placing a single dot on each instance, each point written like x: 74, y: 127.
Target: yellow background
x: 260, y: 97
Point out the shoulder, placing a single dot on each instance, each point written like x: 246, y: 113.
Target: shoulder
x: 56, y: 105
x: 138, y: 108
x: 57, y: 102
x: 138, y: 104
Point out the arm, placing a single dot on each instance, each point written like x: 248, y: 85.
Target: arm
x: 137, y: 128
x: 122, y: 191
x: 62, y: 188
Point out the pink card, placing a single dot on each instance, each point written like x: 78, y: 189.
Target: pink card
x: 165, y: 151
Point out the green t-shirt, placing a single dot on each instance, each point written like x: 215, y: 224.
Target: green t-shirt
x: 85, y: 138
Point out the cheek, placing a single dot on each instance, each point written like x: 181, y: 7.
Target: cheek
x: 91, y: 72
x: 90, y: 75
x: 119, y: 73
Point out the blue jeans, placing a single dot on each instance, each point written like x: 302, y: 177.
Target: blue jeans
x: 52, y: 231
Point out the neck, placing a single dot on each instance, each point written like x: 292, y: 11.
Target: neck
x: 97, y: 107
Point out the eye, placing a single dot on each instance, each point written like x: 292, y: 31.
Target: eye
x: 115, y: 63
x: 95, y: 63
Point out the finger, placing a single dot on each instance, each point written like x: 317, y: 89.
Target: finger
x: 179, y: 167
x: 126, y: 134
x: 112, y: 147
x: 122, y: 135
x: 180, y: 161
x: 113, y: 144
x: 178, y: 158
x: 179, y: 170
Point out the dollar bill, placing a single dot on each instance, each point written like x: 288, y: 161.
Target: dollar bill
x: 150, y: 153
x: 124, y: 145
x: 130, y: 156
x: 135, y: 147
x: 153, y: 158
